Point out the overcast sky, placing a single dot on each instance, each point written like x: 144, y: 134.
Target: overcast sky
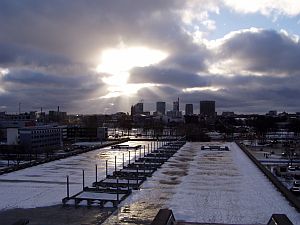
x: 101, y: 56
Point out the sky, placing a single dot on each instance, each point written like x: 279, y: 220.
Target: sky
x: 102, y: 56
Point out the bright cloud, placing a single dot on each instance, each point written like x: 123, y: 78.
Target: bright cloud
x: 266, y: 7
x: 118, y: 62
x: 3, y: 71
x: 126, y: 90
x: 199, y: 89
x: 114, y: 61
x: 255, y: 52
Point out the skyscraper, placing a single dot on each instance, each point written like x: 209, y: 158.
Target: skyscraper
x: 176, y: 106
x: 207, y: 108
x: 161, y: 108
x: 175, y: 113
x: 137, y: 109
x: 189, y: 109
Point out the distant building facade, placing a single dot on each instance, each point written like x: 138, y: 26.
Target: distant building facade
x: 208, y: 108
x: 17, y: 120
x: 189, y: 110
x: 176, y: 106
x: 137, y: 109
x: 17, y: 117
x: 102, y: 133
x: 40, y: 139
x: 228, y: 114
x: 57, y: 116
x: 161, y: 108
x: 175, y: 113
x: 12, y: 136
x: 272, y: 113
x: 81, y: 133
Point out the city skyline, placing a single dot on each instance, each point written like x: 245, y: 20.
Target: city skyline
x: 102, y: 57
x: 154, y: 108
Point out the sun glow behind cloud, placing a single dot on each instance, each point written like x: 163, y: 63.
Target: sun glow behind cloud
x: 127, y: 89
x: 3, y: 72
x: 199, y: 89
x: 118, y: 62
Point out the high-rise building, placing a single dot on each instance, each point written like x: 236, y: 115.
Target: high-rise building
x: 137, y: 109
x: 207, y: 108
x: 176, y: 106
x: 189, y: 109
x: 175, y: 113
x: 161, y: 108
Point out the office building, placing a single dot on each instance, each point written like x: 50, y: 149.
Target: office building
x: 161, y: 108
x: 17, y: 120
x: 40, y: 139
x: 137, y: 109
x: 175, y: 113
x: 18, y: 117
x: 176, y: 106
x: 207, y: 108
x: 189, y: 109
x: 57, y: 116
x: 82, y: 133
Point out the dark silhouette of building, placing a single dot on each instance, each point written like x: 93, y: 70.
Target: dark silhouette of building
x: 175, y: 113
x: 161, y: 108
x: 189, y: 109
x: 176, y: 106
x: 57, y: 116
x: 207, y: 108
x: 137, y: 109
x: 81, y: 133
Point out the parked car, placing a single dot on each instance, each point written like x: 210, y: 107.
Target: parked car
x: 295, y: 190
x: 296, y: 183
x: 291, y: 168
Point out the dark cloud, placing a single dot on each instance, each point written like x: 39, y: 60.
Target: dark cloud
x: 266, y: 51
x: 14, y: 55
x: 40, y: 89
x: 27, y: 77
x: 172, y: 77
x: 193, y: 61
x: 160, y: 93
x: 251, y: 93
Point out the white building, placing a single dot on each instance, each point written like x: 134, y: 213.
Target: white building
x: 40, y: 139
x: 12, y: 136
